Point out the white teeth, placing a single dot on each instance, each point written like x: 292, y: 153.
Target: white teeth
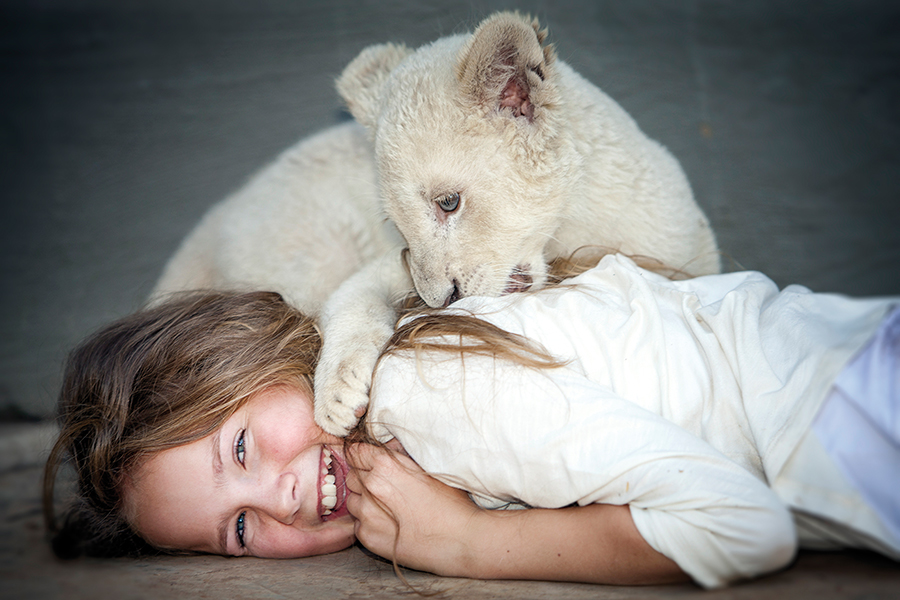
x: 329, y: 489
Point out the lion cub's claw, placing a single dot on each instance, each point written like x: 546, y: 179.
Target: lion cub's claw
x: 342, y: 390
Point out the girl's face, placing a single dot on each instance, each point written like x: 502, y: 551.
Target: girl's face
x: 268, y: 483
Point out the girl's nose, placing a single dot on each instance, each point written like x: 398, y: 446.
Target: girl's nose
x: 282, y: 499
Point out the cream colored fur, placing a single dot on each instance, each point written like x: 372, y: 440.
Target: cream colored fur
x: 490, y: 157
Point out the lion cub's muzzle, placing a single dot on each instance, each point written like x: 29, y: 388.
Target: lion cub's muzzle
x: 520, y: 280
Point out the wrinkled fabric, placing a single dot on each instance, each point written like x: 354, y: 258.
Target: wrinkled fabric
x: 859, y: 424
x: 681, y: 399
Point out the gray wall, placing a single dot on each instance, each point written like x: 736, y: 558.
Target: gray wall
x: 122, y: 122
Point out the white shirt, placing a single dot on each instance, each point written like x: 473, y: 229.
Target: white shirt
x: 681, y: 399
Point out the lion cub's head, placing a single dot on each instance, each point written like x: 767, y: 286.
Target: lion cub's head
x: 473, y: 159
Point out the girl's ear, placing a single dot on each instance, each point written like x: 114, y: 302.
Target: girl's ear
x: 361, y: 83
x: 505, y: 65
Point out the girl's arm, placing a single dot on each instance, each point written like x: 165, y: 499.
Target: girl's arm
x: 405, y: 514
x: 552, y: 438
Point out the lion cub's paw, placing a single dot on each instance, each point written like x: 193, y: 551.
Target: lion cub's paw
x: 341, y: 399
x: 343, y: 378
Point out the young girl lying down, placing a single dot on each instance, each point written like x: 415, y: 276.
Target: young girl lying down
x: 652, y: 429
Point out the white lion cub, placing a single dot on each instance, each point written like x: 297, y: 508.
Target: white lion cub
x: 490, y: 156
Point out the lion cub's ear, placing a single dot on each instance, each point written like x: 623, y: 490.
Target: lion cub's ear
x: 505, y: 65
x: 361, y: 82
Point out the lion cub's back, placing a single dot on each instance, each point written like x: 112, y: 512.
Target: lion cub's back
x: 300, y: 226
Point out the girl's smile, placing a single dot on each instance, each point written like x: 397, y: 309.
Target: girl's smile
x: 269, y: 482
x: 333, y: 485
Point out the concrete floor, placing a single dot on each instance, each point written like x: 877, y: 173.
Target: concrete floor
x: 120, y: 123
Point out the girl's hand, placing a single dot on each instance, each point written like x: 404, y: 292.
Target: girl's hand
x: 405, y: 514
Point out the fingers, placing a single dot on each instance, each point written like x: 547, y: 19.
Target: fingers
x: 384, y: 460
x: 354, y: 502
x: 361, y: 506
x: 371, y: 470
x: 395, y: 445
x: 378, y: 477
x: 402, y: 512
x: 373, y: 526
x: 353, y: 482
x: 360, y: 456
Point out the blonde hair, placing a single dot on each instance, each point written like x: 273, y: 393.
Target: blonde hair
x: 157, y: 379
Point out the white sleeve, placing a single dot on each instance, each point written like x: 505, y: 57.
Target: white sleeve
x: 552, y: 438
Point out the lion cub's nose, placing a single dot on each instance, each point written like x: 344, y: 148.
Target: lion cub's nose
x: 454, y: 295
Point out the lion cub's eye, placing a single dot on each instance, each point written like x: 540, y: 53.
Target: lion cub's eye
x: 448, y: 202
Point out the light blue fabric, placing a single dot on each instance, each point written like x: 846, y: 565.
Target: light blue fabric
x: 859, y: 423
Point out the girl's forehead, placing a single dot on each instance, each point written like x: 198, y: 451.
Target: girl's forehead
x: 164, y: 495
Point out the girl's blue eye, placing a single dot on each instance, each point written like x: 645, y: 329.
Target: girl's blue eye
x: 239, y: 447
x: 240, y: 528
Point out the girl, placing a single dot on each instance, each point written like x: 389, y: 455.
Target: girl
x: 699, y: 427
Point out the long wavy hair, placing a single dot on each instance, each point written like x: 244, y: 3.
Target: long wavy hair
x: 160, y: 378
